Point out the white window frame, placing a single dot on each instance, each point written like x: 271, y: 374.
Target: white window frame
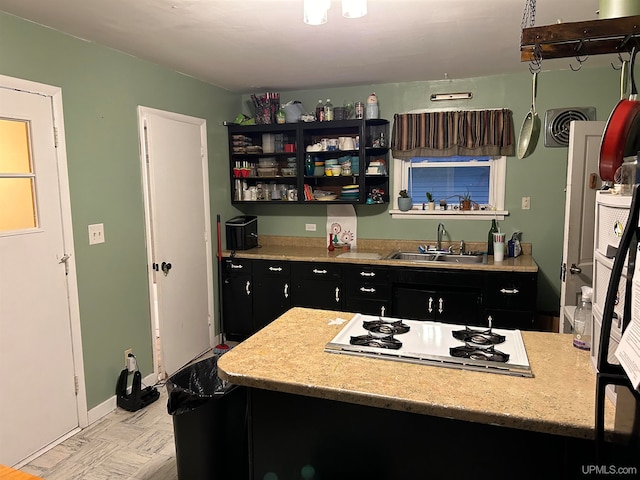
x: 497, y: 187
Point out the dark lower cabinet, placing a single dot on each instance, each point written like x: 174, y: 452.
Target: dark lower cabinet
x: 237, y: 298
x: 510, y: 299
x: 317, y: 285
x: 449, y: 296
x: 271, y: 291
x: 294, y: 436
x: 444, y: 305
x: 256, y: 292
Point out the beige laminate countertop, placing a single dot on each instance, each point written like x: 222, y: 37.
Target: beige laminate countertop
x: 373, y: 252
x: 288, y: 356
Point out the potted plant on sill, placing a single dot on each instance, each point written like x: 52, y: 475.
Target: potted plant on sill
x: 431, y: 205
x: 405, y: 202
x: 465, y: 201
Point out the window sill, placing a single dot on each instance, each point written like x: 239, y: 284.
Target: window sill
x: 449, y: 214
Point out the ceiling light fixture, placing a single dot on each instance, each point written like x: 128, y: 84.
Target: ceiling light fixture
x: 315, y: 11
x: 354, y: 8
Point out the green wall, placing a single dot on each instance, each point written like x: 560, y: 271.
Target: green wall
x: 101, y: 91
x: 541, y: 176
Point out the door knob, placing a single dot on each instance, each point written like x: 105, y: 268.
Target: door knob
x: 573, y: 269
x: 165, y: 267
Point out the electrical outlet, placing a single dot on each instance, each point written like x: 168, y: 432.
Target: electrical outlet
x: 96, y: 233
x: 526, y: 203
x: 310, y: 227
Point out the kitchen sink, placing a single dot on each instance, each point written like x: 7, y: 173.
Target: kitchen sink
x: 444, y: 257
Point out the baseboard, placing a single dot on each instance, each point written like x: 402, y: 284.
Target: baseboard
x: 110, y: 404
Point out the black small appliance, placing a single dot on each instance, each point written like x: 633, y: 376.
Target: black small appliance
x: 242, y: 232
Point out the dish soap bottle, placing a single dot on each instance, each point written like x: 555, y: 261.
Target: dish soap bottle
x: 328, y: 110
x: 582, y: 321
x: 492, y: 230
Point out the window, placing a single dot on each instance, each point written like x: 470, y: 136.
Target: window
x: 16, y: 177
x: 449, y: 178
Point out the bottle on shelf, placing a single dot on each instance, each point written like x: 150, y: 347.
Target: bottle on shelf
x: 320, y: 111
x: 328, y: 110
x: 492, y: 230
x: 582, y: 321
x: 372, y: 111
x: 280, y: 115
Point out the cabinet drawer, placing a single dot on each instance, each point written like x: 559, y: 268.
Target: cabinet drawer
x: 364, y: 281
x: 232, y: 266
x: 602, y: 275
x: 275, y: 268
x: 316, y: 271
x: 511, y: 290
x: 610, y: 222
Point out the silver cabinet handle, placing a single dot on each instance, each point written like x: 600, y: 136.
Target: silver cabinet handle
x: 367, y: 274
x: 430, y: 307
x: 509, y: 291
x: 382, y: 310
x: 337, y: 294
x: 247, y: 288
x: 275, y: 269
x: 440, y: 305
x: 319, y: 272
x: 368, y: 290
x: 286, y: 290
x: 233, y: 265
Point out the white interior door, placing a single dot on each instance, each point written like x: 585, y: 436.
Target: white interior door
x: 179, y: 233
x: 583, y: 181
x: 38, y: 403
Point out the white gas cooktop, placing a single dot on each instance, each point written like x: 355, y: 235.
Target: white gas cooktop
x: 429, y: 343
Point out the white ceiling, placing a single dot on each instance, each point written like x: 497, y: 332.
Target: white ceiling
x: 257, y: 45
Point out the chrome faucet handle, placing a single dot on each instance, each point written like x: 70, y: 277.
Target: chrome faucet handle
x: 462, y: 247
x: 450, y: 249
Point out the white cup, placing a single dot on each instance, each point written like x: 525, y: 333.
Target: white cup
x: 498, y: 247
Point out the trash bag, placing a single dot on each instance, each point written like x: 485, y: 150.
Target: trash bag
x: 195, y: 385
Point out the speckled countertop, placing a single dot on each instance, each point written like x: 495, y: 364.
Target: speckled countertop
x: 374, y: 252
x: 288, y: 356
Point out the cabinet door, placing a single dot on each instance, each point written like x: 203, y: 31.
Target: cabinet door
x: 367, y: 290
x: 317, y: 285
x: 237, y: 299
x: 272, y: 291
x: 415, y: 303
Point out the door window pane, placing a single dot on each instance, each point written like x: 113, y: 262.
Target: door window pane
x: 17, y: 193
x: 14, y: 147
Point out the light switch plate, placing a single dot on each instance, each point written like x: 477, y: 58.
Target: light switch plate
x: 96, y: 233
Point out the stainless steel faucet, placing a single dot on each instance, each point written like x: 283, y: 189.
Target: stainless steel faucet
x: 441, y: 230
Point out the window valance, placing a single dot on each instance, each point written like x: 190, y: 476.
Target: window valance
x: 443, y: 134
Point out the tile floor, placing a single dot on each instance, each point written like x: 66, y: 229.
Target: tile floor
x: 122, y: 445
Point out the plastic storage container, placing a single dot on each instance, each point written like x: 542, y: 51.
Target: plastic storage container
x: 209, y: 423
x: 582, y: 321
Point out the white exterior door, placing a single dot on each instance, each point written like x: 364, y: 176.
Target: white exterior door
x: 179, y: 233
x: 583, y: 181
x: 38, y: 295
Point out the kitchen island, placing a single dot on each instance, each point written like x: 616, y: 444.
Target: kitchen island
x: 339, y: 414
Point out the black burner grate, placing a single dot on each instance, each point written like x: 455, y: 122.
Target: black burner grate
x: 476, y: 352
x: 478, y: 337
x: 376, y: 341
x: 388, y: 328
